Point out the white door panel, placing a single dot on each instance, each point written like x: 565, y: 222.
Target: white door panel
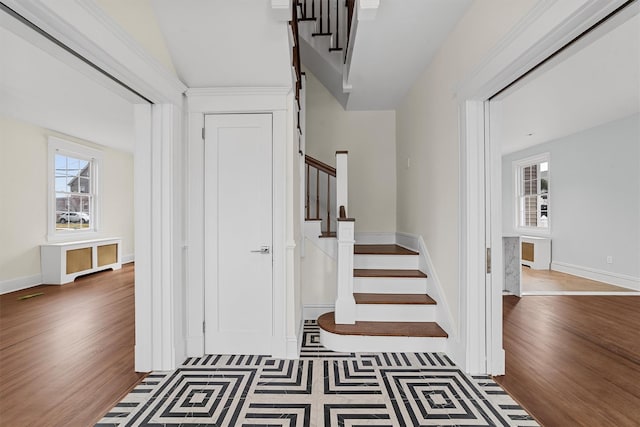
x: 238, y: 234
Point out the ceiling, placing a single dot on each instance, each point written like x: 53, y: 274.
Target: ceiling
x: 64, y: 98
x: 218, y: 43
x: 393, y: 49
x: 596, y: 84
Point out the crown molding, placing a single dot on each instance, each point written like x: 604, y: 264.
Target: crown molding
x: 86, y: 29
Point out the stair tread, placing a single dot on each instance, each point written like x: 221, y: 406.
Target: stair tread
x: 325, y: 234
x: 382, y: 329
x: 361, y: 272
x: 409, y: 299
x: 382, y: 250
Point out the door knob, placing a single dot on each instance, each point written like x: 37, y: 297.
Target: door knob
x: 263, y: 250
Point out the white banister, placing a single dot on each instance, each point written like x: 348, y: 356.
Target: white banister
x: 345, y: 311
x: 342, y: 181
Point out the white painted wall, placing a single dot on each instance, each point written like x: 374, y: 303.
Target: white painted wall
x: 138, y: 19
x: 23, y: 199
x: 595, y: 196
x: 427, y: 134
x: 369, y: 136
x: 318, y: 276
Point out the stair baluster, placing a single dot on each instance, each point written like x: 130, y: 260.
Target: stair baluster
x: 322, y: 194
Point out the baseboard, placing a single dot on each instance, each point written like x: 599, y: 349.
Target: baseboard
x: 20, y: 283
x: 583, y: 293
x: 375, y: 238
x: 611, y: 278
x: 126, y: 259
x: 294, y: 344
x: 416, y: 243
x: 409, y: 241
x: 313, y: 311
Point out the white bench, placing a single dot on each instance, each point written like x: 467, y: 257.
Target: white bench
x: 63, y: 262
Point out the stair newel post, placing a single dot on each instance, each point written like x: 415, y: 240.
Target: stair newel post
x: 345, y: 303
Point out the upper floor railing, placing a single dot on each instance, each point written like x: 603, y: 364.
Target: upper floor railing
x: 332, y: 17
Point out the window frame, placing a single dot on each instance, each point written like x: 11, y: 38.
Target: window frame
x: 518, y: 167
x: 94, y: 156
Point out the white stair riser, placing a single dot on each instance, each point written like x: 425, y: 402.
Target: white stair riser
x: 390, y: 285
x: 357, y: 343
x: 396, y: 312
x: 389, y: 262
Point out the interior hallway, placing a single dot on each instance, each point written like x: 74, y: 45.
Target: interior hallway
x: 574, y: 360
x: 66, y: 357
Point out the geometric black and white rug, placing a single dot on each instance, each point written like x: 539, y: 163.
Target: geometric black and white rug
x: 322, y: 388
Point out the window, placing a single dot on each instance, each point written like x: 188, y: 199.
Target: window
x: 532, y: 192
x: 73, y: 187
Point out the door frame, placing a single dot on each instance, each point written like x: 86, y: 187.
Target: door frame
x: 278, y: 102
x: 546, y: 28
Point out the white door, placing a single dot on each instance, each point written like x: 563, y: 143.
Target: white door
x: 238, y: 234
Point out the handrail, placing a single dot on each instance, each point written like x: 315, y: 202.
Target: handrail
x: 329, y: 170
x: 297, y: 65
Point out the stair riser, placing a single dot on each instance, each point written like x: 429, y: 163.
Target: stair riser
x: 357, y: 343
x: 386, y: 262
x: 396, y: 312
x: 389, y: 285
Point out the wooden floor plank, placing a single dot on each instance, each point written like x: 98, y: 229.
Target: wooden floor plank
x: 66, y: 357
x: 388, y: 329
x: 382, y: 250
x: 574, y: 360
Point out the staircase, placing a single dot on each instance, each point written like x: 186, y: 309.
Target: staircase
x: 393, y: 310
x: 382, y: 302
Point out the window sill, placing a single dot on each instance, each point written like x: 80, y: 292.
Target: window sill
x: 70, y: 236
x: 533, y: 232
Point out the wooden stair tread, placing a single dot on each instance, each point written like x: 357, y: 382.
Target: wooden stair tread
x: 361, y: 272
x: 382, y: 250
x: 367, y: 298
x: 382, y: 329
x: 325, y: 234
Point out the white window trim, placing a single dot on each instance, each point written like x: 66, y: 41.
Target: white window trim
x: 517, y: 168
x: 61, y: 146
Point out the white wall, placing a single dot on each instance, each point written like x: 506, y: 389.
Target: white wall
x: 23, y: 200
x: 594, y: 197
x: 427, y: 134
x: 139, y: 20
x: 318, y: 277
x: 370, y: 138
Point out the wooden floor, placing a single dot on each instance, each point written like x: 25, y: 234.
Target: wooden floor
x: 574, y: 360
x: 555, y: 281
x: 66, y: 357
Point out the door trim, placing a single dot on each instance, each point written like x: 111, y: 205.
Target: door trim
x: 277, y: 101
x: 545, y: 29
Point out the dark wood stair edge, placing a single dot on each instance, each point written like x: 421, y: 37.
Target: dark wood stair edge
x: 359, y: 249
x: 393, y: 299
x: 396, y: 329
x: 404, y: 274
